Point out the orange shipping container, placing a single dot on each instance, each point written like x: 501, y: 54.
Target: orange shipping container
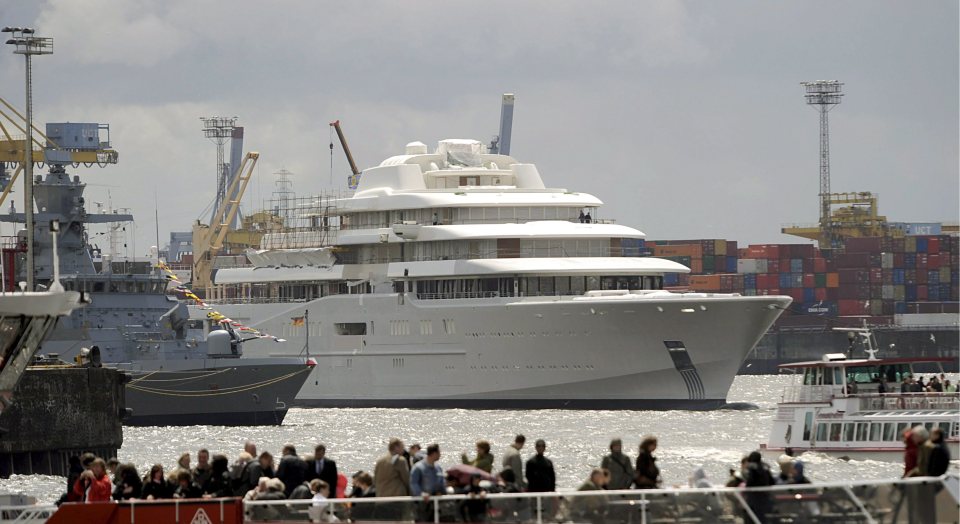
x: 833, y: 279
x: 696, y: 266
x: 705, y: 282
x: 684, y: 250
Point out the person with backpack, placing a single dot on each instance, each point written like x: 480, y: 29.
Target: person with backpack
x: 619, y: 465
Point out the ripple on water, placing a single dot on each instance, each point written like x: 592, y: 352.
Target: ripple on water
x: 576, y: 440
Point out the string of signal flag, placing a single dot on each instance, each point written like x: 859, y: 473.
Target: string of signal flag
x: 212, y: 314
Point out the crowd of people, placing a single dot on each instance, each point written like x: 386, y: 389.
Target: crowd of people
x: 416, y: 472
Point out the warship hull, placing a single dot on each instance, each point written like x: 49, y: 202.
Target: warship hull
x: 212, y: 392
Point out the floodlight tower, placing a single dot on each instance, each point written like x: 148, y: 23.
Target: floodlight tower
x: 219, y: 129
x: 26, y: 43
x: 823, y: 95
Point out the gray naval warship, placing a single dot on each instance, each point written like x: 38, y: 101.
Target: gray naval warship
x: 182, y: 371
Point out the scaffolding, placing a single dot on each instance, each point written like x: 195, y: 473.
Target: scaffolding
x: 308, y: 222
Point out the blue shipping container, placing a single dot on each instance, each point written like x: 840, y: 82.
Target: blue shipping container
x: 731, y: 264
x: 899, y: 276
x: 944, y: 292
x: 900, y: 308
x: 910, y: 293
x: 796, y: 265
x: 933, y: 293
x: 809, y: 294
x: 910, y: 260
x: 785, y: 281
x: 933, y: 277
x: 922, y: 244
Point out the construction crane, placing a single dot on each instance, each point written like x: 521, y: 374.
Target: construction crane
x: 63, y: 144
x: 208, y: 239
x: 354, y: 179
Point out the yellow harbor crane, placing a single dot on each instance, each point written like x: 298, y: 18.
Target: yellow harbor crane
x: 208, y: 240
x: 63, y: 143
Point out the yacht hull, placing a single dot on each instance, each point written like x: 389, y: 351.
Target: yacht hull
x: 620, y: 352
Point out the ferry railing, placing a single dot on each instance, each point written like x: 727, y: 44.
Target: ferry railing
x: 913, y: 401
x: 919, y: 499
x: 27, y: 514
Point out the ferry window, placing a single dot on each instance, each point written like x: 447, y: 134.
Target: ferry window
x: 822, y: 432
x: 848, y: 432
x: 608, y: 283
x: 827, y: 378
x: 875, y: 431
x: 351, y: 328
x: 837, y: 376
x: 889, y: 433
x: 862, y: 431
x: 945, y: 427
x: 835, y: 430
x: 901, y: 427
x: 807, y: 423
x: 809, y: 376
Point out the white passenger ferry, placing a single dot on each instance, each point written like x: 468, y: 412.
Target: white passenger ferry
x: 855, y: 408
x: 458, y: 279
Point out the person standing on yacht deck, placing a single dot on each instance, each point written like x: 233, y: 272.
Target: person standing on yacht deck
x: 513, y: 460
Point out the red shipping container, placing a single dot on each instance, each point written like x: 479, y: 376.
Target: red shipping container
x: 820, y: 293
x: 849, y: 308
x: 773, y: 265
x: 862, y: 245
x: 796, y: 294
x: 921, y: 292
x: 833, y: 293
x: 763, y: 251
x: 933, y: 246
x: 876, y: 276
x: 819, y: 265
x: 933, y: 261
x: 898, y: 258
x: 921, y: 277
x: 808, y: 280
x: 922, y: 260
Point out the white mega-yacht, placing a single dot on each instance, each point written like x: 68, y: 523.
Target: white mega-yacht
x: 458, y: 279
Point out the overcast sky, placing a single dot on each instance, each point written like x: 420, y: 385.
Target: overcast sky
x: 686, y: 118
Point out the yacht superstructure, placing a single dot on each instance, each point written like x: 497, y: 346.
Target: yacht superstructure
x: 458, y: 279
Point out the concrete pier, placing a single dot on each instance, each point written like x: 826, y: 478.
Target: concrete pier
x: 60, y: 411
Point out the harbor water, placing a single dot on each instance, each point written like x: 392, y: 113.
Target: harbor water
x: 576, y: 440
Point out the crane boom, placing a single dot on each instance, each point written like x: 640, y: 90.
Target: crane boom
x: 346, y: 149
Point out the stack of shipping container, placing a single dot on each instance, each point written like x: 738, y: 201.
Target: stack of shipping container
x: 876, y: 276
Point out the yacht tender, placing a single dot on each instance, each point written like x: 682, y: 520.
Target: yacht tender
x: 458, y: 279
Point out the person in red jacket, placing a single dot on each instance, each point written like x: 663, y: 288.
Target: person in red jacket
x: 94, y: 485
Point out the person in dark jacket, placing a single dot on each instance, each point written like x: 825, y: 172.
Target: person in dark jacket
x: 362, y: 489
x: 155, y: 485
x: 758, y: 474
x: 218, y: 483
x: 321, y: 467
x: 619, y: 465
x: 186, y: 487
x: 647, y: 472
x: 292, y: 470
x: 541, y: 476
x: 75, y: 469
x: 128, y: 485
x: 939, y: 459
x: 474, y: 509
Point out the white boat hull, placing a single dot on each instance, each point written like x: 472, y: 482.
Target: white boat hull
x: 550, y: 352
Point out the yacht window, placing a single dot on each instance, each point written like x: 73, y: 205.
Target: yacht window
x: 593, y: 283
x: 351, y: 328
x: 875, y: 431
x: 889, y: 432
x: 523, y: 213
x: 807, y: 423
x: 563, y: 285
x: 608, y: 283
x: 577, y: 285
x: 863, y: 430
x: 835, y: 431
x: 546, y: 286
x: 822, y: 432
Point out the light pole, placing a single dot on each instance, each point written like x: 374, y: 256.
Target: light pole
x: 27, y: 44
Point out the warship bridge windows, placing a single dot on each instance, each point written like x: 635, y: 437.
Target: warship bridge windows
x: 350, y: 328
